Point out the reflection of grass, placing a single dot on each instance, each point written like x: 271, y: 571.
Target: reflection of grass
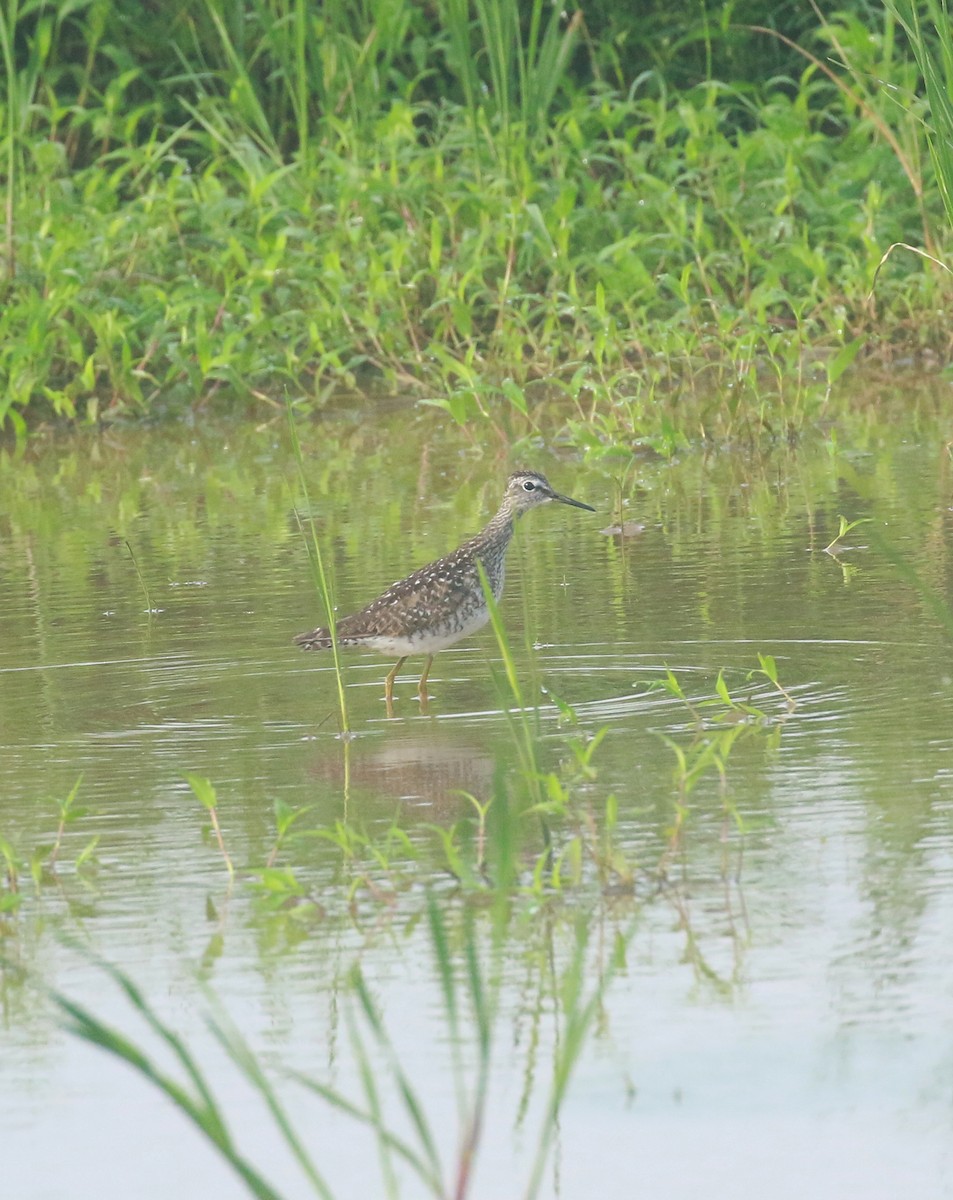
x: 142, y: 583
x: 542, y: 830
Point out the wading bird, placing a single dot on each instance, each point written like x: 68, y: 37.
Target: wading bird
x: 444, y: 601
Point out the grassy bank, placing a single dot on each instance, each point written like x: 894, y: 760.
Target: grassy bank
x: 298, y: 200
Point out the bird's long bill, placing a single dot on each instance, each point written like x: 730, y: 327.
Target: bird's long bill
x: 572, y: 503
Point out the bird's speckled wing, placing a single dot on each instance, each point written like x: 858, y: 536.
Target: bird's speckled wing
x: 434, y: 598
x: 439, y: 602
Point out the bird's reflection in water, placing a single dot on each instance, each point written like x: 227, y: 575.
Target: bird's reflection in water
x: 426, y: 772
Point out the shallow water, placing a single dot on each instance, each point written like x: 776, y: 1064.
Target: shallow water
x: 781, y: 1025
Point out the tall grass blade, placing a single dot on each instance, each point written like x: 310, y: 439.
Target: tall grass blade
x: 580, y: 1012
x: 928, y: 26
x: 524, y: 733
x: 364, y: 1117
x: 200, y: 1107
x: 525, y: 52
x: 242, y: 1056
x: 319, y: 573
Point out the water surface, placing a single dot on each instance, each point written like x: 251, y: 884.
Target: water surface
x: 781, y: 1025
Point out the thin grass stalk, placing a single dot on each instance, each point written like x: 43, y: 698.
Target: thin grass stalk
x: 363, y: 1117
x: 243, y: 92
x: 455, y: 18
x: 483, y: 1003
x: 521, y: 76
x: 142, y: 583
x: 481, y: 991
x: 316, y: 559
x: 301, y: 93
x: 448, y: 988
x: 933, y: 51
x: 206, y: 795
x: 285, y: 37
x: 66, y: 815
x: 501, y: 41
x: 368, y: 1075
x: 8, y: 24
x: 526, y: 740
x: 21, y: 86
x: 525, y: 75
x: 496, y: 624
x: 544, y: 64
x: 429, y: 1165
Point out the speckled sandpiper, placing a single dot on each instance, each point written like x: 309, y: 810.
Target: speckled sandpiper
x: 444, y: 601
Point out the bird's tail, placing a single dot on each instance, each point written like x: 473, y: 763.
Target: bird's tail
x: 317, y: 639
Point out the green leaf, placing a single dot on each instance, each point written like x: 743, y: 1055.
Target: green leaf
x: 203, y: 790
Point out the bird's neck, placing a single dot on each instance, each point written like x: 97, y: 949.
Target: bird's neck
x: 501, y: 524
x: 496, y: 537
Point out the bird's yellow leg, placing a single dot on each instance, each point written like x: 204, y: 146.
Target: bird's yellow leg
x: 422, y: 686
x: 389, y: 684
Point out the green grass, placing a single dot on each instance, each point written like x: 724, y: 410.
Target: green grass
x: 468, y: 968
x: 928, y: 26
x: 26, y: 872
x: 499, y: 856
x: 292, y: 211
x: 536, y: 842
x: 545, y: 830
x: 319, y: 573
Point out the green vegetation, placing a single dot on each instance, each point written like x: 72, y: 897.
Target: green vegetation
x: 318, y: 571
x: 506, y: 874
x: 485, y: 204
x: 542, y: 841
x: 38, y: 864
x: 623, y: 234
x: 544, y: 832
x: 469, y: 963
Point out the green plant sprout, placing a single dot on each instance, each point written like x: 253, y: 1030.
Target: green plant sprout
x: 769, y: 669
x: 205, y: 793
x: 845, y: 528
x: 43, y: 858
x: 69, y: 813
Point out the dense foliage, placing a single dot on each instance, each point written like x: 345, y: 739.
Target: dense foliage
x: 284, y: 197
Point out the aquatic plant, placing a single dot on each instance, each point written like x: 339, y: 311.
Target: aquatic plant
x: 468, y: 970
x: 319, y: 573
x: 204, y: 791
x: 40, y: 863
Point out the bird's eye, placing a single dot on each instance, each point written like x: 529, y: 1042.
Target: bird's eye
x: 528, y: 485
